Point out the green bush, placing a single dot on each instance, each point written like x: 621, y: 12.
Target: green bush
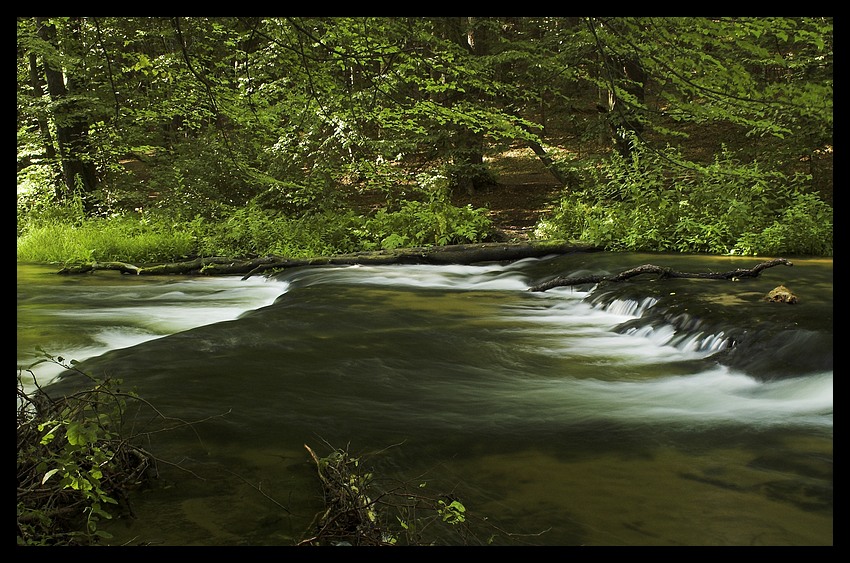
x: 649, y: 203
x: 435, y: 221
x: 805, y: 228
x: 254, y: 231
x: 425, y: 224
x: 37, y: 206
x: 73, y: 464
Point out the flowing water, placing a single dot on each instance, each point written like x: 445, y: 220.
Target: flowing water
x: 650, y: 412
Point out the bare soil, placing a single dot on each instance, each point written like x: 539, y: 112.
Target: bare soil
x: 524, y: 193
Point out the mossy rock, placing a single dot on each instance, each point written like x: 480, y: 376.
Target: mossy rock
x: 781, y: 294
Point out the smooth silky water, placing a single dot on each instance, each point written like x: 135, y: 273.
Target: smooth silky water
x: 652, y: 412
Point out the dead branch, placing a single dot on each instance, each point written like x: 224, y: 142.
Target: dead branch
x: 450, y: 254
x: 350, y: 517
x: 85, y: 268
x: 663, y: 273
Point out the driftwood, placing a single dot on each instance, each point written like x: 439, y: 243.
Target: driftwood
x: 454, y: 254
x: 663, y: 273
x: 85, y: 268
x: 351, y: 517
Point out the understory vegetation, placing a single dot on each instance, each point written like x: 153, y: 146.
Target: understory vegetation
x: 644, y: 204
x: 153, y: 139
x: 65, y: 234
x: 639, y: 204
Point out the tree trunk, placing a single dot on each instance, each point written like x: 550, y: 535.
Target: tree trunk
x: 621, y: 111
x: 469, y: 172
x: 663, y: 273
x: 548, y: 162
x: 78, y: 170
x: 43, y: 125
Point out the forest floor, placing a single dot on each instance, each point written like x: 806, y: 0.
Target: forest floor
x: 524, y: 193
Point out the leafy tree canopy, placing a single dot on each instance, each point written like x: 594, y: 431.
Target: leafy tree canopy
x: 296, y: 114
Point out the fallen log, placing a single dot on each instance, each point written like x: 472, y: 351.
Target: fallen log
x: 86, y: 268
x: 663, y: 273
x: 453, y: 254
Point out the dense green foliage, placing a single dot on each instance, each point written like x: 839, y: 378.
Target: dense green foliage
x: 75, y: 463
x: 147, y: 138
x: 642, y: 204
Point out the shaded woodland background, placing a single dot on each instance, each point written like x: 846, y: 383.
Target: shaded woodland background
x: 255, y: 135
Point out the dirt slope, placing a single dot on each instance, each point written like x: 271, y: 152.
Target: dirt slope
x: 524, y: 193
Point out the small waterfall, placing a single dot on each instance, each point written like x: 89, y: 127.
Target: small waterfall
x: 629, y: 307
x: 733, y: 336
x: 92, y: 321
x: 682, y: 331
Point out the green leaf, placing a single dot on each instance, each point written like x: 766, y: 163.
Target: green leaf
x: 79, y: 435
x: 48, y: 475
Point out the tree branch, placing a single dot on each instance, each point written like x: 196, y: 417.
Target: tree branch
x: 663, y: 273
x: 449, y: 254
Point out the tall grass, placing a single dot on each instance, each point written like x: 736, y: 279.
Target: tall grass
x: 240, y: 232
x: 103, y: 240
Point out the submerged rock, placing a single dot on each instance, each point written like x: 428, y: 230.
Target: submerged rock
x: 781, y: 294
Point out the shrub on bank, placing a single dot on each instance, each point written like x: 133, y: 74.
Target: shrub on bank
x: 643, y: 204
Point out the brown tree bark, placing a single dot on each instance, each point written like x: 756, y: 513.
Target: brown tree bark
x: 43, y: 125
x: 467, y: 146
x: 78, y: 171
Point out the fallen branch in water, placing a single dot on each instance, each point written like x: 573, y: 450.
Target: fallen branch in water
x: 93, y: 266
x: 450, y: 254
x: 663, y: 273
x: 361, y: 510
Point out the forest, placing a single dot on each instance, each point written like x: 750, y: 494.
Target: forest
x: 158, y: 139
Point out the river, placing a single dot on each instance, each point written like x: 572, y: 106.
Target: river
x: 650, y: 412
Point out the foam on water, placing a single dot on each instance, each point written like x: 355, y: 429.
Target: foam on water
x: 560, y: 323
x: 117, y: 317
x: 714, y: 396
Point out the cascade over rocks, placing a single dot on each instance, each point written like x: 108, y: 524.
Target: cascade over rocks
x: 462, y: 254
x: 663, y: 273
